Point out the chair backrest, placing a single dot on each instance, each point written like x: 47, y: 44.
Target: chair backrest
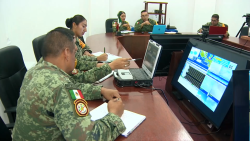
x: 244, y: 31
x: 108, y: 24
x: 5, y: 134
x: 12, y: 72
x: 37, y: 46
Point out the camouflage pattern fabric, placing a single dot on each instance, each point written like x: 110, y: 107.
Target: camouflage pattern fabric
x: 145, y: 28
x: 45, y: 110
x: 92, y: 75
x: 121, y: 28
x: 84, y: 62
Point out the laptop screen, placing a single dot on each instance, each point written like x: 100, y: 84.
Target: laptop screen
x: 151, y: 58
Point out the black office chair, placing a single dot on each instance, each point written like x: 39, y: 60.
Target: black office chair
x: 37, y: 46
x: 244, y: 31
x: 108, y: 24
x: 12, y: 72
x: 5, y: 134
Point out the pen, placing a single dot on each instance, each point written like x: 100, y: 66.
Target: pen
x: 104, y: 49
x: 135, y: 59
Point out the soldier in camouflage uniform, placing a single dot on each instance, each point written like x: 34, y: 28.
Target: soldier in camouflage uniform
x: 86, y: 61
x: 215, y: 22
x: 46, y: 110
x: 123, y: 25
x: 145, y: 24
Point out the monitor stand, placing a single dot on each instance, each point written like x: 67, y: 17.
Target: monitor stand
x: 177, y: 95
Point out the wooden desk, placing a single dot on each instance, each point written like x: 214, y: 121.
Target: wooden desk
x: 245, y: 38
x: 237, y: 42
x: 160, y: 123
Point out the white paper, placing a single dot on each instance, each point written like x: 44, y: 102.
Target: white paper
x: 111, y: 57
x: 105, y: 77
x: 131, y: 120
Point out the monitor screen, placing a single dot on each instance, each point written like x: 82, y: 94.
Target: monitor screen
x: 241, y: 105
x: 151, y: 58
x: 172, y: 43
x: 204, y: 77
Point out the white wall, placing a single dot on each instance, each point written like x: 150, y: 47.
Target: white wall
x: 23, y: 20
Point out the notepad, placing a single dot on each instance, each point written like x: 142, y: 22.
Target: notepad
x: 105, y: 77
x: 111, y: 57
x: 126, y: 31
x: 130, y: 119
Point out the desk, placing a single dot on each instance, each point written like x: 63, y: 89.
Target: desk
x: 160, y: 123
x: 245, y: 38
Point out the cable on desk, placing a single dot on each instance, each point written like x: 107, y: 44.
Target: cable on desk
x: 205, y: 133
x: 156, y: 89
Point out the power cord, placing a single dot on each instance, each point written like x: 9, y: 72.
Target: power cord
x: 156, y: 89
x: 201, y: 122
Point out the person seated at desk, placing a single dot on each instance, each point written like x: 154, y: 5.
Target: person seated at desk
x: 78, y: 24
x: 52, y: 106
x: 144, y: 24
x: 123, y: 25
x: 86, y: 61
x: 215, y: 22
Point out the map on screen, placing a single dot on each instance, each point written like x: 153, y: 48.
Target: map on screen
x: 206, y: 76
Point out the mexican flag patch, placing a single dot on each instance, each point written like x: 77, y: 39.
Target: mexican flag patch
x: 137, y: 22
x: 76, y: 94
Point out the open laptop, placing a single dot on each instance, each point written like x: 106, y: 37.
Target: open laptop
x: 216, y: 30
x: 158, y: 29
x: 140, y: 76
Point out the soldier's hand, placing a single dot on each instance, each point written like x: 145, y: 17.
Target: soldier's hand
x: 116, y: 106
x: 147, y: 23
x: 120, y: 63
x: 200, y: 31
x: 102, y: 57
x: 86, y: 53
x: 126, y: 25
x: 109, y: 94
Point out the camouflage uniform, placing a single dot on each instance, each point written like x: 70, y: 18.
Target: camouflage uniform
x: 92, y: 75
x: 45, y: 110
x: 219, y: 24
x: 121, y: 28
x: 84, y: 62
x: 145, y: 28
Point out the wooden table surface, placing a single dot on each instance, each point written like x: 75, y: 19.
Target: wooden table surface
x: 161, y: 123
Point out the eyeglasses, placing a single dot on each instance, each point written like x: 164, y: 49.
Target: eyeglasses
x: 144, y: 15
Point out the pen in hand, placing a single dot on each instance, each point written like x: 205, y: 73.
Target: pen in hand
x: 104, y: 49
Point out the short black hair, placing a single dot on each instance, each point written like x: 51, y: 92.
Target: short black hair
x: 215, y: 16
x: 143, y: 11
x: 56, y: 41
x: 76, y: 19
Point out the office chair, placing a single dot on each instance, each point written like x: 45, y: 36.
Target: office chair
x: 5, y: 134
x: 244, y: 31
x: 37, y: 46
x: 12, y: 72
x: 108, y: 24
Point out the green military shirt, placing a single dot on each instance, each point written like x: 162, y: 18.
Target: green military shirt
x: 145, y: 28
x: 92, y: 75
x: 121, y: 27
x: 45, y: 109
x: 84, y: 62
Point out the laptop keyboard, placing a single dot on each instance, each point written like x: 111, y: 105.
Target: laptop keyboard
x: 139, y: 74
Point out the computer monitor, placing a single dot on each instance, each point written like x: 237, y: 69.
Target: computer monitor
x: 241, y: 105
x: 204, y: 77
x: 172, y: 43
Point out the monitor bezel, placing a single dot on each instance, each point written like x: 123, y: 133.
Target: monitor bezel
x: 219, y: 114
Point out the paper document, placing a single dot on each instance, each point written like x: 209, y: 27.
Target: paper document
x: 127, y: 31
x: 111, y: 57
x: 131, y: 120
x: 105, y: 77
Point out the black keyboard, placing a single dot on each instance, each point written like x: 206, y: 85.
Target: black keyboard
x: 139, y: 74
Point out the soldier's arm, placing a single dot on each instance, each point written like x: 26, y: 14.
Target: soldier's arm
x: 86, y: 48
x: 138, y: 27
x: 207, y: 24
x: 114, y: 26
x: 92, y: 75
x: 74, y: 127
x: 149, y: 28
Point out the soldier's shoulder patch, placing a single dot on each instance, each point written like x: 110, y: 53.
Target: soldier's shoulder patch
x: 81, y: 107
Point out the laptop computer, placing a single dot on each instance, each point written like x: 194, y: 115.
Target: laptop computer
x: 158, y: 29
x: 141, y: 76
x: 217, y: 30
